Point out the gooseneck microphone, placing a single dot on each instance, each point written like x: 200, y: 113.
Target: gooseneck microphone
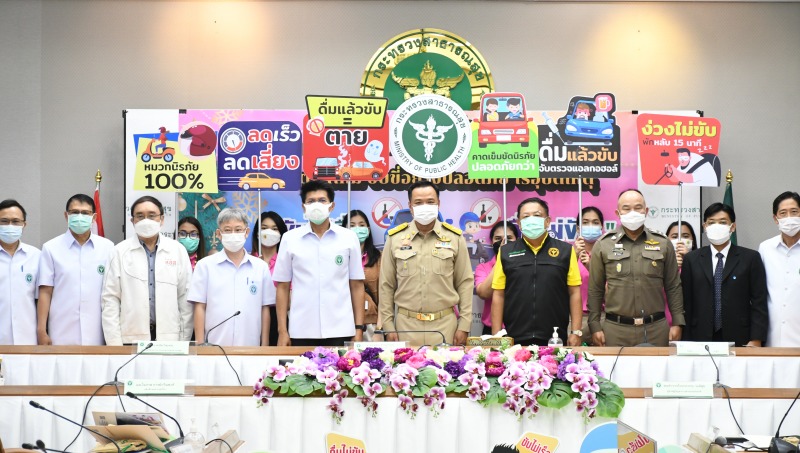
x: 443, y: 343
x: 116, y: 375
x: 171, y: 443
x: 206, y: 343
x: 645, y: 344
x: 40, y: 446
x: 711, y: 356
x: 39, y: 406
x: 777, y: 444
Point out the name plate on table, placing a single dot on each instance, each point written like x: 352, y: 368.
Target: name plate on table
x: 164, y: 347
x: 683, y: 390
x: 155, y: 386
x: 492, y: 342
x: 385, y: 345
x: 696, y: 348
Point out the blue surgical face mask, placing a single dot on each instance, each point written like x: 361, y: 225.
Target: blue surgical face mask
x: 532, y: 227
x: 79, y: 223
x: 362, y: 232
x: 591, y: 233
x: 10, y: 233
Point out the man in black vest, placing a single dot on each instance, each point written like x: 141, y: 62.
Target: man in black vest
x: 537, y: 283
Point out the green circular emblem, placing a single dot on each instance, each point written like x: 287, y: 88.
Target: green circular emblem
x: 141, y: 343
x: 430, y: 136
x: 339, y: 260
x: 253, y: 289
x: 28, y: 278
x: 101, y: 269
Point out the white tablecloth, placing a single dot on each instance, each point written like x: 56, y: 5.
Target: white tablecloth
x: 292, y: 425
x: 631, y: 371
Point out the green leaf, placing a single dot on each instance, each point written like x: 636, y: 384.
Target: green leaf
x: 272, y: 384
x: 300, y: 384
x: 495, y: 395
x: 610, y: 399
x: 420, y: 389
x: 557, y: 396
x: 427, y: 377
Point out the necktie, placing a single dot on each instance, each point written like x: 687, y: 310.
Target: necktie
x: 718, y: 293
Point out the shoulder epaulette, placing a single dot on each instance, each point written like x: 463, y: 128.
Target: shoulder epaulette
x: 607, y: 234
x: 656, y: 232
x: 451, y: 228
x: 398, y: 228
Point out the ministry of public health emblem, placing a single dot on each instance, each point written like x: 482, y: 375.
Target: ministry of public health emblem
x: 428, y: 61
x: 430, y: 136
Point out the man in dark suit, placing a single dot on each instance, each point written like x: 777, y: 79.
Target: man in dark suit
x: 724, y: 286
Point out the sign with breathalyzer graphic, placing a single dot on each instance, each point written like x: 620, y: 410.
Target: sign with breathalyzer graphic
x: 679, y: 149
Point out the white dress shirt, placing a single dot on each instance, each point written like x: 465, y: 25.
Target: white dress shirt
x: 714, y: 252
x: 19, y: 289
x: 320, y: 270
x: 76, y: 274
x: 226, y: 289
x: 783, y: 284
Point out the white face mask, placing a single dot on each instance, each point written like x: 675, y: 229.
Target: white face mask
x: 789, y: 226
x: 424, y: 214
x: 632, y: 220
x: 147, y: 228
x: 233, y: 242
x: 718, y: 234
x: 270, y: 238
x: 317, y: 212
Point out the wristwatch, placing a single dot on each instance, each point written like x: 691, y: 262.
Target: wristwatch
x: 361, y: 327
x: 578, y: 332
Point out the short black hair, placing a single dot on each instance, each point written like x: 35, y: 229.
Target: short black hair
x: 589, y: 209
x: 145, y: 199
x: 691, y: 232
x: 275, y: 217
x: 422, y: 184
x: 782, y: 197
x: 81, y: 198
x: 683, y: 150
x: 513, y: 101
x: 630, y: 190
x: 537, y: 200
x: 201, y: 246
x: 373, y: 254
x: 9, y: 203
x: 509, y: 227
x: 313, y: 186
x: 714, y: 208
x: 492, y: 101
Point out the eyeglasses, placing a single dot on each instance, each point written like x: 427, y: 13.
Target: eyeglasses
x: 792, y: 213
x: 184, y: 235
x: 233, y: 230
x: 15, y: 222
x: 75, y: 212
x: 318, y: 200
x: 139, y: 217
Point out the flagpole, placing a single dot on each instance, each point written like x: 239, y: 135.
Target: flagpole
x: 98, y: 221
x: 505, y: 215
x: 580, y: 202
x: 680, y: 211
x: 258, y: 222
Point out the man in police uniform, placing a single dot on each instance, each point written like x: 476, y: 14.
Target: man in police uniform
x: 632, y: 268
x: 425, y: 272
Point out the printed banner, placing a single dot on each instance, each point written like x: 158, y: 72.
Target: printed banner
x: 337, y: 443
x: 346, y: 138
x: 584, y: 142
x: 679, y: 149
x: 537, y: 443
x: 505, y: 141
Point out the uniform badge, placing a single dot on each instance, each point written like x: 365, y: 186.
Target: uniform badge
x: 652, y: 247
x: 618, y: 246
x: 553, y: 252
x: 517, y: 253
x: 444, y: 238
x: 339, y: 260
x: 619, y: 267
x: 101, y: 269
x: 444, y: 245
x: 405, y: 247
x: 253, y: 288
x: 651, y: 242
x: 655, y: 264
x: 28, y: 278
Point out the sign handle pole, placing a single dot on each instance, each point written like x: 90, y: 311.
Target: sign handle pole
x: 177, y: 214
x: 258, y: 222
x: 580, y: 202
x: 505, y: 216
x: 348, y: 203
x: 680, y: 210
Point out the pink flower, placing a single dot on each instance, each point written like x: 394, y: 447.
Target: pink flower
x: 402, y: 354
x: 494, y: 357
x: 277, y: 372
x: 347, y: 363
x: 494, y: 368
x: 522, y: 355
x: 545, y: 351
x: 549, y: 362
x: 443, y: 377
x: 416, y: 361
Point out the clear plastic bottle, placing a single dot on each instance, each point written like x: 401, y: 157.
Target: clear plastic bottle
x: 195, y: 439
x: 555, y: 342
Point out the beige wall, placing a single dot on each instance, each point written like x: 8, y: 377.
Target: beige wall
x: 68, y: 68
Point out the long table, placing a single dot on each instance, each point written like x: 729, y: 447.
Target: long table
x: 290, y: 424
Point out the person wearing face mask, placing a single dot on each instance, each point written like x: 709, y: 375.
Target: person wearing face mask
x: 781, y: 257
x: 230, y: 281
x: 19, y: 263
x: 425, y: 273
x: 683, y: 244
x: 270, y: 229
x: 190, y: 236
x: 724, y: 286
x: 71, y: 271
x: 484, y: 272
x: 371, y: 260
x: 631, y: 270
x: 537, y: 283
x: 590, y: 231
x: 145, y: 286
x: 321, y: 261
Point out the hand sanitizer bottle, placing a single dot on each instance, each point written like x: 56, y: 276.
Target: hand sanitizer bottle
x: 195, y: 439
x: 555, y: 342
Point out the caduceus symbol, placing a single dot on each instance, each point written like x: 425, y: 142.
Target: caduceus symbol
x: 430, y: 134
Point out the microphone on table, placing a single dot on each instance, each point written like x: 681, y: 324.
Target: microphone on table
x: 39, y: 406
x: 206, y: 343
x: 173, y: 442
x: 40, y: 446
x: 443, y: 343
x: 116, y: 375
x: 645, y: 344
x: 708, y: 351
x: 777, y: 444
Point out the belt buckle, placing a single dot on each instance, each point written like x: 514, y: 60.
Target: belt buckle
x: 425, y: 316
x: 638, y: 321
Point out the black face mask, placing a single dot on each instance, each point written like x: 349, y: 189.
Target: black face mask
x: 496, y: 247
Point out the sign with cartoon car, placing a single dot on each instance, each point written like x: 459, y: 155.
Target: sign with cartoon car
x: 503, y: 119
x: 588, y: 119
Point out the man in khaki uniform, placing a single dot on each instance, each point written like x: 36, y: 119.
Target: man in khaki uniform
x: 632, y: 268
x: 425, y: 273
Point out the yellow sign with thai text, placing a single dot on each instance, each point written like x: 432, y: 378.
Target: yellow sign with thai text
x: 537, y: 443
x: 337, y: 443
x: 167, y: 163
x: 346, y: 111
